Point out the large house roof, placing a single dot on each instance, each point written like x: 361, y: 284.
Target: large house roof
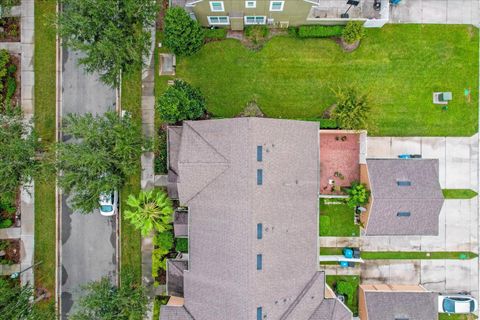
x: 384, y: 305
x: 407, y: 197
x: 239, y: 176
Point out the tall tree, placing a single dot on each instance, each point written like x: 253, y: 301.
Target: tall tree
x: 113, y: 34
x: 183, y: 35
x: 104, y: 301
x: 103, y: 151
x: 18, y: 156
x: 150, y: 210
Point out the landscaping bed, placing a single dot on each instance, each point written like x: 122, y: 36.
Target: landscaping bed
x: 399, y: 66
x: 8, y: 210
x: 9, y: 78
x: 10, y: 29
x: 348, y: 287
x: 10, y: 251
x: 337, y: 219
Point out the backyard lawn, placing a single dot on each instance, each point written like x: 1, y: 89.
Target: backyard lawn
x: 349, y: 288
x: 336, y: 219
x: 399, y: 66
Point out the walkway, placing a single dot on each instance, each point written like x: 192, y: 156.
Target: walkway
x: 436, y: 11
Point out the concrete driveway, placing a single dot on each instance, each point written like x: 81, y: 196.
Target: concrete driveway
x: 436, y: 11
x: 88, y: 249
x: 459, y: 224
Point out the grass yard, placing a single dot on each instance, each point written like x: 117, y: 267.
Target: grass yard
x: 130, y: 241
x: 45, y: 215
x: 399, y: 66
x: 353, y: 282
x: 445, y: 316
x: 459, y: 193
x: 405, y: 255
x: 337, y: 220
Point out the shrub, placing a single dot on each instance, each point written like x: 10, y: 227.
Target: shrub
x: 183, y: 35
x: 293, y: 31
x: 215, y: 34
x: 7, y: 203
x: 4, y: 60
x: 353, y: 31
x: 352, y: 110
x: 357, y: 194
x: 181, y: 102
x: 6, y: 223
x: 164, y: 240
x: 11, y: 87
x: 11, y: 69
x: 181, y: 245
x: 328, y: 124
x: 319, y: 31
x: 346, y: 288
x: 256, y: 33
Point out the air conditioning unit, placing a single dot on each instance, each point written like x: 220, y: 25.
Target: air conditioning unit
x: 270, y: 20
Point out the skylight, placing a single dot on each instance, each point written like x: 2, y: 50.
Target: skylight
x: 259, y: 153
x: 403, y: 214
x: 259, y: 177
x: 404, y: 183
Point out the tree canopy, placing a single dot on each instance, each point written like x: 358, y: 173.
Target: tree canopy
x: 104, y: 301
x: 183, y: 35
x: 101, y: 153
x: 113, y: 34
x: 181, y: 102
x: 18, y: 160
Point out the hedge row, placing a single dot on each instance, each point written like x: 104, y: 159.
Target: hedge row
x: 319, y: 31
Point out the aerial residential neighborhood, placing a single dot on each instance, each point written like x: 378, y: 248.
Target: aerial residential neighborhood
x: 236, y: 160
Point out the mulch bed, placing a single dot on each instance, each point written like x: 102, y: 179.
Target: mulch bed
x: 10, y: 29
x: 12, y: 252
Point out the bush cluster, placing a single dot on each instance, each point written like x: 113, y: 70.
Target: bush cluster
x: 215, y: 34
x: 256, y: 33
x: 328, y: 124
x: 353, y: 31
x: 319, y: 31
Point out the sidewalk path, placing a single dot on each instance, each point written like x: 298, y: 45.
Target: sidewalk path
x: 27, y: 193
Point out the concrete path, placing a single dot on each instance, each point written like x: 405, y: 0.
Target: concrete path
x: 436, y: 11
x: 88, y: 242
x: 27, y: 193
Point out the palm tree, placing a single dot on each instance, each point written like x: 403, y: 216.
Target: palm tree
x: 150, y: 210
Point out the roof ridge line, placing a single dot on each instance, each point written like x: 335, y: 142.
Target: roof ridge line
x: 208, y: 143
x: 209, y: 183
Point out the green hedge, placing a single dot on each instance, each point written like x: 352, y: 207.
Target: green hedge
x: 181, y: 245
x: 328, y: 124
x: 215, y: 34
x: 319, y: 31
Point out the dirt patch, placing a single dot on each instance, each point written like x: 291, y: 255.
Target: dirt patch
x: 252, y: 110
x: 347, y: 47
x: 11, y: 251
x: 10, y: 29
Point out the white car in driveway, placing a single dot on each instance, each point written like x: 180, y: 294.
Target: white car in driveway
x: 108, y: 203
x: 457, y: 303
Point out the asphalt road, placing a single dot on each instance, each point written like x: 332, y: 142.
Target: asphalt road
x: 88, y: 241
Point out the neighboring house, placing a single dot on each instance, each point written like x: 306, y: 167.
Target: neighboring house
x: 237, y: 14
x: 397, y: 302
x: 406, y: 197
x: 251, y: 188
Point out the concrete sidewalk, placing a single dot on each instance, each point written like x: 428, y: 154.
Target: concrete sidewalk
x: 436, y: 11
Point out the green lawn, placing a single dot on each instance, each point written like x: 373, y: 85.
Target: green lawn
x: 354, y: 281
x: 45, y: 215
x: 399, y: 66
x: 406, y: 255
x: 445, y: 316
x: 336, y: 220
x: 459, y: 193
x: 130, y: 241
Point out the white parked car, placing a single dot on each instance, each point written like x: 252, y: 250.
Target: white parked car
x: 108, y: 203
x: 457, y: 303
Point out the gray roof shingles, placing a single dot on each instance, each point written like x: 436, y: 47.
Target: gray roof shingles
x: 423, y: 198
x: 401, y: 305
x: 217, y: 169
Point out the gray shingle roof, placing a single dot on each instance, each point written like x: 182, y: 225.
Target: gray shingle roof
x: 174, y: 313
x: 423, y: 199
x: 217, y: 180
x: 405, y: 305
x: 331, y: 309
x: 180, y: 223
x: 175, y: 269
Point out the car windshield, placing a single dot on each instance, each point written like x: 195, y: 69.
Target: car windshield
x: 106, y: 208
x: 449, y: 305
